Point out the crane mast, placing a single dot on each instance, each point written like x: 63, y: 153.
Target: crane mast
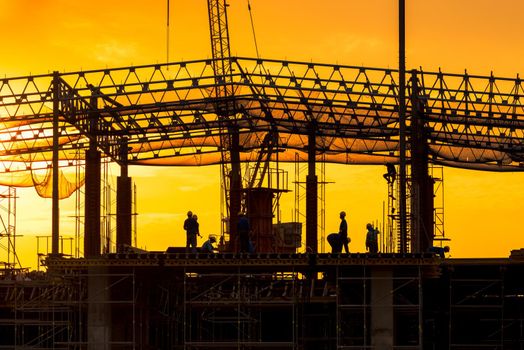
x: 229, y: 142
x: 220, y: 49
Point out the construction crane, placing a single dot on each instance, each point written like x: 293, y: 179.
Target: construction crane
x: 230, y: 145
x: 235, y: 196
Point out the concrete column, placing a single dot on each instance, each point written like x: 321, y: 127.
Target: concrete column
x: 92, y: 187
x: 312, y: 195
x: 123, y: 212
x: 123, y: 202
x: 98, y: 309
x: 92, y: 203
x: 382, y: 326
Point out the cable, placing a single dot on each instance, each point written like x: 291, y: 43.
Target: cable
x: 252, y: 27
x: 167, y: 35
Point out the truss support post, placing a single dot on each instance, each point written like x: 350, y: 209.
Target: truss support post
x: 422, y: 201
x: 235, y: 194
x: 92, y: 189
x: 55, y: 222
x: 123, y: 202
x: 312, y: 195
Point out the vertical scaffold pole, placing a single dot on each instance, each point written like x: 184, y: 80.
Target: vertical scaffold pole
x: 402, y: 124
x: 55, y: 230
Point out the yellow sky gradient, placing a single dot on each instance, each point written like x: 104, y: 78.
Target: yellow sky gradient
x: 483, y: 210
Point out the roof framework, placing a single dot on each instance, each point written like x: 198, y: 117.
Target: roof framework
x: 170, y: 114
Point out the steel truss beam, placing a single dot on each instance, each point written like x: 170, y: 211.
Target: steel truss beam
x: 171, y: 116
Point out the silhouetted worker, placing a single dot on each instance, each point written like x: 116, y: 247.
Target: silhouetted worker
x: 335, y: 243
x: 440, y: 251
x: 188, y: 228
x: 243, y: 233
x: 372, y: 239
x: 391, y: 174
x: 208, y: 247
x: 343, y: 231
x: 192, y: 229
x: 197, y: 225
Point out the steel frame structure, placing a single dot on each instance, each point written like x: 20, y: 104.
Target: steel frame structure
x: 171, y: 114
x: 472, y: 121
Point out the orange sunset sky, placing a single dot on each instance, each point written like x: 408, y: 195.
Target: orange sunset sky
x: 482, y: 210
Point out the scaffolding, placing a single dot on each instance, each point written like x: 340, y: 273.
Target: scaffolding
x: 63, y: 311
x: 67, y: 248
x: 476, y: 306
x: 390, y: 241
x: 370, y: 301
x: 232, y: 310
x: 265, y: 301
x: 8, y: 226
x: 437, y: 174
x: 300, y: 196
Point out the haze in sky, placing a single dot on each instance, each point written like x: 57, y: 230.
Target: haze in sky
x: 482, y: 210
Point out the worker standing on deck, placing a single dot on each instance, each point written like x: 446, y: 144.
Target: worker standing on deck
x: 343, y: 231
x: 188, y: 228
x: 372, y: 239
x: 197, y: 225
x: 192, y: 230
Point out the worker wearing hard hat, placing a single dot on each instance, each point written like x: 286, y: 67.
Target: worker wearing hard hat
x: 343, y: 232
x: 208, y: 247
